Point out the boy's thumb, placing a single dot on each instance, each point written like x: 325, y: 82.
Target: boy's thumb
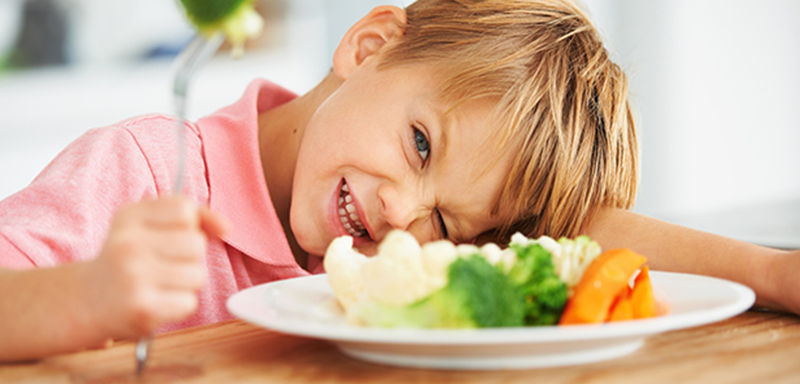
x: 212, y: 223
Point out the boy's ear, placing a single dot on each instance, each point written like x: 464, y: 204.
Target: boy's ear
x: 366, y: 37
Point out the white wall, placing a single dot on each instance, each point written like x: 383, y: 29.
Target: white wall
x: 716, y: 86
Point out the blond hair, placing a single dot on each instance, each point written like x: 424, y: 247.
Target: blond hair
x: 561, y: 102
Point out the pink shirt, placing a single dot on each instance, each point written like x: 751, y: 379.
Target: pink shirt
x: 65, y: 213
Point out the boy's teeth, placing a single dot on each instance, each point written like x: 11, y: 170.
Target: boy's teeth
x: 348, y: 214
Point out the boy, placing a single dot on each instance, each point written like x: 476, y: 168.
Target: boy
x: 464, y: 120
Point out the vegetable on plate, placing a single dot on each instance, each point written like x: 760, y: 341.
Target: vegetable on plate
x: 533, y: 282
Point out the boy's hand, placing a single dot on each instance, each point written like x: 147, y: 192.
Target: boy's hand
x: 151, y: 266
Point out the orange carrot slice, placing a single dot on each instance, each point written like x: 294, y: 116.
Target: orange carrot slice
x: 638, y: 302
x: 605, y: 280
x: 642, y: 297
x: 622, y: 308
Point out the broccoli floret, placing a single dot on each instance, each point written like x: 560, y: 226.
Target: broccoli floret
x: 236, y: 19
x: 477, y: 294
x: 545, y: 293
x: 204, y: 13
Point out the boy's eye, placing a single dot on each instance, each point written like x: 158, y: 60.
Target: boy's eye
x: 422, y: 144
x: 442, y: 226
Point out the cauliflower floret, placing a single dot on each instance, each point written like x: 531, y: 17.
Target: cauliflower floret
x: 401, y: 273
x: 437, y: 257
x: 397, y: 275
x: 345, y: 264
x: 492, y: 253
x: 574, y: 258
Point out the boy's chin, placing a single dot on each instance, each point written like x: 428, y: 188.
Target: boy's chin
x: 368, y: 248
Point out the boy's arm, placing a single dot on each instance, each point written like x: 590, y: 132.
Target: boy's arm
x: 669, y: 247
x: 46, y: 311
x: 148, y: 272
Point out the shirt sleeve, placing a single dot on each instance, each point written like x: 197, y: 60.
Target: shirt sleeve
x: 64, y: 214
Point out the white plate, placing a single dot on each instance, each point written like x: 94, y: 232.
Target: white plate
x: 306, y: 307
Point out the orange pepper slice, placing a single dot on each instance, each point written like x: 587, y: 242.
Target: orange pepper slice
x: 602, y: 284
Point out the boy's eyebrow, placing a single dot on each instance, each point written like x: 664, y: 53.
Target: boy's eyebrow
x: 444, y: 128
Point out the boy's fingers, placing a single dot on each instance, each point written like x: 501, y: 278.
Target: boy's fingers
x: 168, y: 212
x: 178, y: 245
x: 180, y: 212
x: 191, y: 277
x: 174, y: 212
x: 213, y: 224
x: 176, y: 305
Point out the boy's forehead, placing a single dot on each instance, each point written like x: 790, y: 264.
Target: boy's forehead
x: 475, y: 165
x: 472, y: 127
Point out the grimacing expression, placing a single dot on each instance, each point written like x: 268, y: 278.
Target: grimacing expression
x: 377, y: 155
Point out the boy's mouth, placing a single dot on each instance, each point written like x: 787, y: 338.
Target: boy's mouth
x: 348, y: 214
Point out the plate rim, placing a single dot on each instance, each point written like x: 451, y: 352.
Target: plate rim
x: 495, y: 336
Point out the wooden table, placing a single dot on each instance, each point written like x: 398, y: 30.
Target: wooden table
x: 754, y: 347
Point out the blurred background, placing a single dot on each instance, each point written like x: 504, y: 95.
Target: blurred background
x: 714, y: 83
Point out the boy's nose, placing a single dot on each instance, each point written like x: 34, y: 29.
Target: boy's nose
x: 401, y: 208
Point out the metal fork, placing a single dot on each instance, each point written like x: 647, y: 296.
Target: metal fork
x: 191, y: 58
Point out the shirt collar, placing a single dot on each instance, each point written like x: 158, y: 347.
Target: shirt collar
x: 237, y: 188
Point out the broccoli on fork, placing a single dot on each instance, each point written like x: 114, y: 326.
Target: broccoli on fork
x: 237, y: 19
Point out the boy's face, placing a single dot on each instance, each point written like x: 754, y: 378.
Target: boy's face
x: 376, y: 156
